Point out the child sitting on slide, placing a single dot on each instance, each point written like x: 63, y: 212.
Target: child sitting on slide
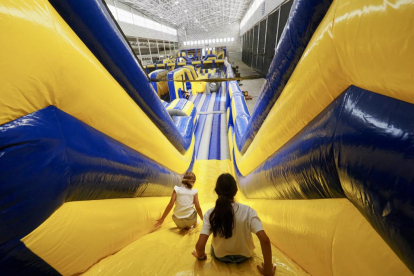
x: 184, y: 197
x: 232, y: 225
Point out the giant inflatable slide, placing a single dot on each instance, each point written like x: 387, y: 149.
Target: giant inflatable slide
x: 89, y: 153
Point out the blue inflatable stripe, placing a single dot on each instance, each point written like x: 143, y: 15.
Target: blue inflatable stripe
x: 172, y: 85
x: 230, y: 120
x: 240, y: 104
x: 65, y: 160
x: 180, y: 105
x: 217, y: 100
x: 17, y: 259
x: 362, y: 147
x: 154, y: 85
x: 197, y: 99
x: 214, y: 151
x: 206, y: 102
x: 221, y: 92
x: 92, y: 22
x: 207, y: 56
x: 303, y: 168
x: 187, y: 60
x: 165, y: 104
x: 304, y: 18
x: 229, y: 74
x: 185, y: 124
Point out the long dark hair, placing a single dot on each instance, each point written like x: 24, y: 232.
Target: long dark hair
x: 222, y: 216
x: 188, y: 180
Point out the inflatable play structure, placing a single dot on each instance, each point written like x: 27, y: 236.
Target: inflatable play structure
x: 89, y: 153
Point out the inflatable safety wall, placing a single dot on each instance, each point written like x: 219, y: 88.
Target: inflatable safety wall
x: 329, y: 143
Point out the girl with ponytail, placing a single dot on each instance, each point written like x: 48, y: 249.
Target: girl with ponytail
x: 184, y: 197
x: 232, y: 225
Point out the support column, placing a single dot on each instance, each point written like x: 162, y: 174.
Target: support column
x: 264, y: 45
x: 149, y: 48
x: 139, y: 50
x: 163, y: 43
x: 277, y: 28
x: 116, y: 10
x: 258, y: 42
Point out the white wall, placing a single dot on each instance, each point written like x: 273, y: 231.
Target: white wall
x: 225, y: 31
x: 138, y: 31
x: 259, y: 14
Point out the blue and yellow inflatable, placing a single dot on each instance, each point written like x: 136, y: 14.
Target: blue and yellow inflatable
x: 89, y: 154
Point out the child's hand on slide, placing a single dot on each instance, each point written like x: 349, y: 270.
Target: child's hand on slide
x: 266, y: 272
x: 200, y: 258
x: 159, y: 223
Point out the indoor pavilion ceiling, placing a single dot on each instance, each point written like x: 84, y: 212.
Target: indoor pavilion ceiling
x: 204, y: 15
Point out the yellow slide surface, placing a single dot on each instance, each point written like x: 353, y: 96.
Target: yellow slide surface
x: 167, y: 251
x: 113, y: 237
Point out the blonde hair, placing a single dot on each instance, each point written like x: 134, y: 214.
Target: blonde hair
x: 189, y: 180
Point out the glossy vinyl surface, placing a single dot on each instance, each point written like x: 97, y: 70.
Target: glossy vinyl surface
x: 63, y: 160
x: 180, y: 104
x: 54, y: 67
x: 160, y: 87
x: 240, y: 107
x: 374, y: 153
x: 199, y: 131
x: 197, y: 99
x: 17, y: 259
x: 327, y: 237
x: 81, y: 233
x: 217, y: 102
x: 304, y: 168
x: 322, y: 236
x: 361, y: 147
x: 304, y: 18
x: 94, y: 25
x: 214, y: 151
x: 361, y: 43
x: 167, y: 251
x: 330, y: 143
x: 240, y: 113
x: 177, y: 88
x: 186, y: 125
x: 206, y: 103
x: 165, y: 104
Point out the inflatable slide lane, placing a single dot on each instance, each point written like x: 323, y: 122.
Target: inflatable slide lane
x: 90, y: 154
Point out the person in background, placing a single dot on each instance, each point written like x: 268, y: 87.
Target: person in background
x: 232, y: 225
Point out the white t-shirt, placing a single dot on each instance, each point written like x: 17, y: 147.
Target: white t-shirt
x: 246, y: 222
x: 184, y: 204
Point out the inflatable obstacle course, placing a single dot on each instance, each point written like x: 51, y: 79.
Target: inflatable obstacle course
x: 89, y: 154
